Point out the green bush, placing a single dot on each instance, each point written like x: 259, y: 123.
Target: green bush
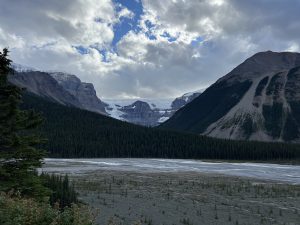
x: 26, y: 211
x: 62, y: 191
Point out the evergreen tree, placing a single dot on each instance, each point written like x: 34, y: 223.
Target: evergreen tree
x: 76, y: 133
x: 18, y: 156
x: 62, y: 191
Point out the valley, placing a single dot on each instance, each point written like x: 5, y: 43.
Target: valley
x: 150, y: 112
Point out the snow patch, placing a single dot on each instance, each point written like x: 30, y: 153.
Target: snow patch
x: 163, y: 119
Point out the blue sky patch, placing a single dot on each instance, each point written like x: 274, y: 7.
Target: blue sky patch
x: 127, y: 24
x: 81, y: 50
x: 169, y: 37
x: 103, y: 52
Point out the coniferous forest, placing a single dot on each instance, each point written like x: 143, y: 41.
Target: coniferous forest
x: 72, y: 132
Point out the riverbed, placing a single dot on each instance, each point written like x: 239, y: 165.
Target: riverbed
x: 273, y: 172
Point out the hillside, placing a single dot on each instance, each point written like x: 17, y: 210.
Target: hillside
x: 258, y: 100
x: 74, y: 132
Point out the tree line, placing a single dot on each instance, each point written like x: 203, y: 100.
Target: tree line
x: 74, y: 133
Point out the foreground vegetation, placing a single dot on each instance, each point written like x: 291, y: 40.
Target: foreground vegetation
x: 28, y: 211
x: 74, y: 133
x: 25, y: 196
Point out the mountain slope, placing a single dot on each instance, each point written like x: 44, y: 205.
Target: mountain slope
x: 42, y: 84
x: 258, y: 100
x: 74, y: 132
x: 63, y: 88
x: 184, y: 99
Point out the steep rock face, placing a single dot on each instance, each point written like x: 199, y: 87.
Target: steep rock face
x: 84, y: 92
x: 42, y: 84
x: 258, y: 100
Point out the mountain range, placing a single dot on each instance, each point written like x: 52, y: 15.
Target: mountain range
x: 68, y: 89
x: 257, y: 100
x: 72, y: 132
x: 147, y: 112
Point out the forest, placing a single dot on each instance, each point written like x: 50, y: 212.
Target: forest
x: 74, y: 133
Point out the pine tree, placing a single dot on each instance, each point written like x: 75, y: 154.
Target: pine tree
x: 19, y: 158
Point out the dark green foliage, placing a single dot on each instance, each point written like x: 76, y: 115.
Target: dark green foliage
x: 260, y: 87
x: 62, y: 191
x: 292, y: 124
x: 295, y: 107
x: 273, y: 119
x: 248, y: 126
x: 18, y: 156
x: 73, y: 132
x: 28, y: 211
x: 292, y: 85
x: 210, y: 106
x: 290, y: 131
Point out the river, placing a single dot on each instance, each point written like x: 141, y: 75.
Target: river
x: 264, y: 171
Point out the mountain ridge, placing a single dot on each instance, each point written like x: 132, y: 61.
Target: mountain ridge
x: 68, y: 89
x: 148, y: 112
x: 46, y: 84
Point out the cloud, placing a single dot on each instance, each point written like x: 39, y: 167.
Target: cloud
x: 124, y: 12
x: 43, y: 21
x: 174, y: 46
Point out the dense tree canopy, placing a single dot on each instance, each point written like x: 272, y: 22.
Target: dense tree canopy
x: 73, y: 132
x: 19, y: 157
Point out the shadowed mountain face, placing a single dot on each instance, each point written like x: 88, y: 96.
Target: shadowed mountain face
x: 258, y: 100
x: 140, y: 113
x: 59, y: 87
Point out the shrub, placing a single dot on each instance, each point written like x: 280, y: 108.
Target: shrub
x: 27, y: 211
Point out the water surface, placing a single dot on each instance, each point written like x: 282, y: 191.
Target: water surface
x: 275, y: 172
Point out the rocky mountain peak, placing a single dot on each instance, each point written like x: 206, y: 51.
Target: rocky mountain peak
x: 84, y: 92
x: 139, y: 106
x: 262, y: 63
x: 61, y: 87
x: 258, y: 100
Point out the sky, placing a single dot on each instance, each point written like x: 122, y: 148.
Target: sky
x: 146, y: 48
